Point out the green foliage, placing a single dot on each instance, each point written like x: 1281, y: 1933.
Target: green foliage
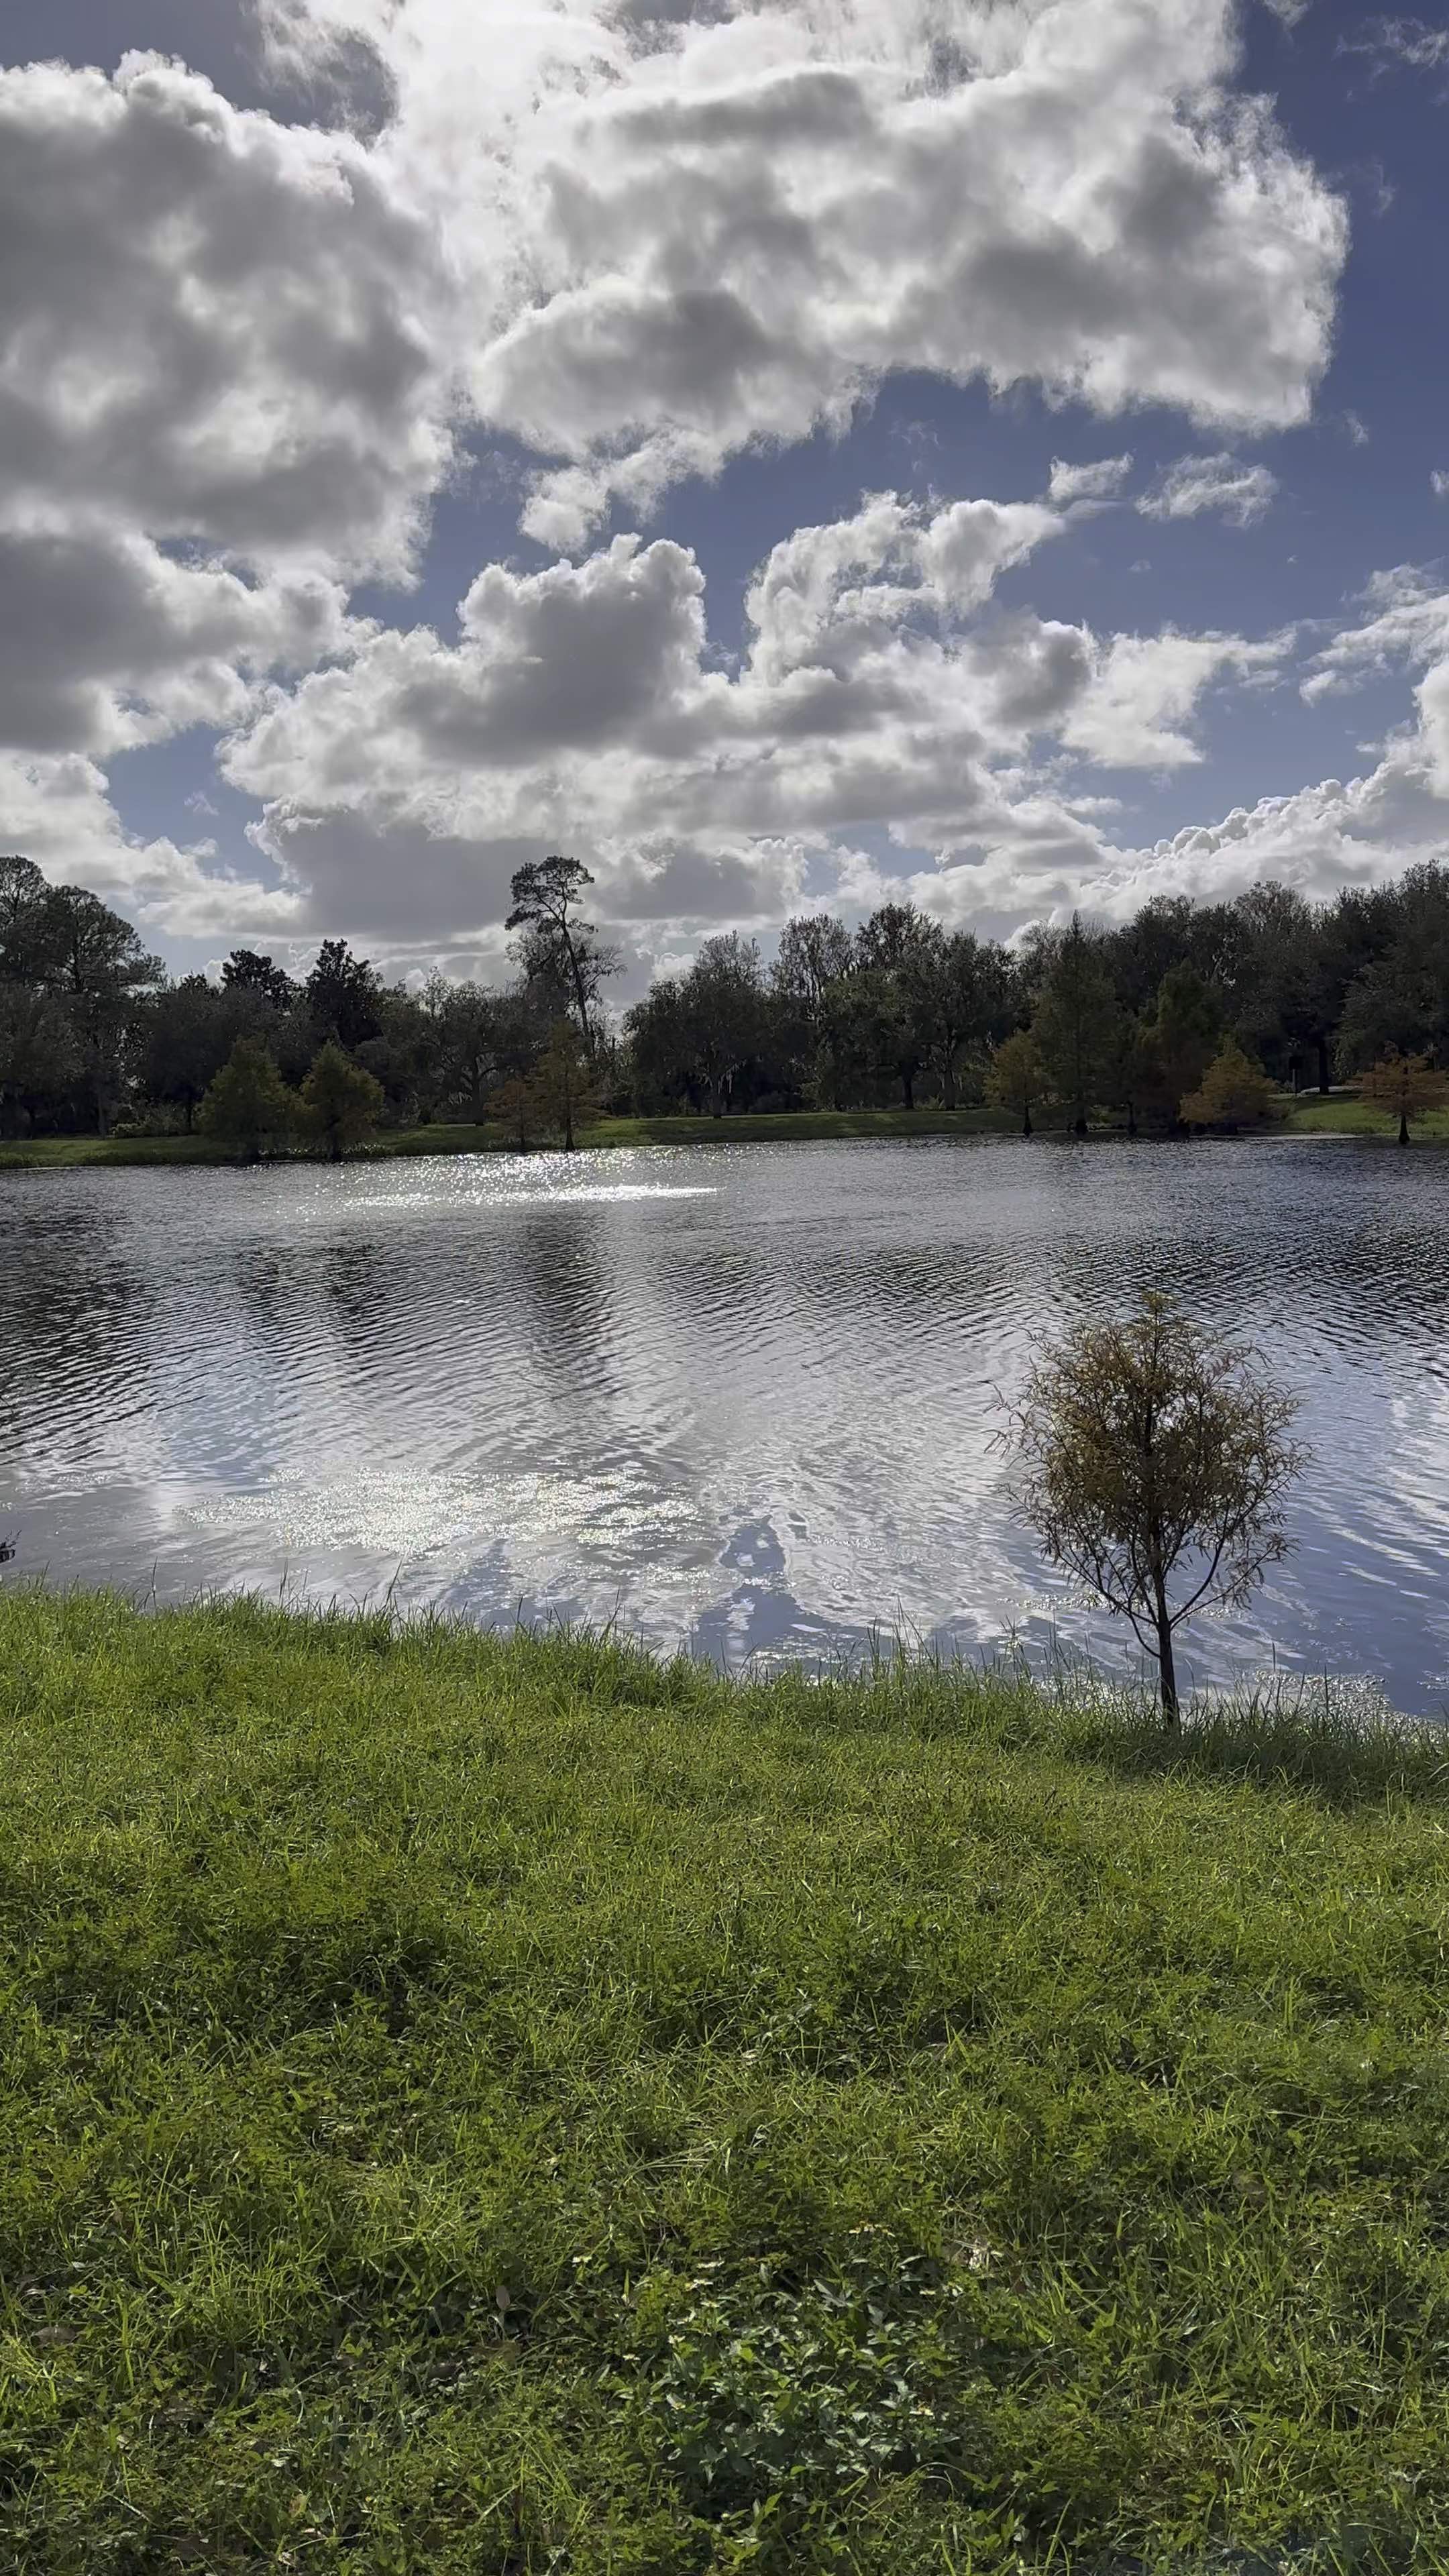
x: 341, y: 1101
x: 344, y: 995
x: 1017, y: 1078
x: 493, y: 2107
x: 1407, y: 1086
x: 1234, y: 1092
x: 1184, y: 1034
x: 846, y: 1018
x: 1075, y: 1022
x: 563, y: 1092
x: 1154, y: 1460
x: 248, y: 1105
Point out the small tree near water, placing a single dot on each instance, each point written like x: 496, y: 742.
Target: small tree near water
x: 1154, y: 1460
x: 1234, y: 1092
x: 343, y: 1101
x: 1017, y: 1079
x: 1405, y: 1085
x: 564, y: 1094
x: 248, y: 1104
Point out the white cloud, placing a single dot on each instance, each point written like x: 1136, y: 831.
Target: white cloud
x: 1145, y: 688
x: 1087, y: 485
x: 582, y: 707
x: 1407, y: 628
x: 217, y: 400
x: 213, y: 326
x: 1237, y: 492
x: 236, y: 356
x: 57, y: 811
x: 679, y: 237
x: 1439, y: 483
x: 1407, y: 41
x: 805, y: 607
x: 106, y: 642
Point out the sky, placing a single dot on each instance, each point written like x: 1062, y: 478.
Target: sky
x: 788, y: 454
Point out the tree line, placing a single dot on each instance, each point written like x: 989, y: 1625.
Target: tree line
x: 1189, y: 1014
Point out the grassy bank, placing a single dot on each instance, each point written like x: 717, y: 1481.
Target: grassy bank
x: 43, y: 1153
x: 498, y: 2106
x: 1341, y: 1114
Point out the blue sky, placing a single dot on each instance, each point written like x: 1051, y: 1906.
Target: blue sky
x: 603, y: 325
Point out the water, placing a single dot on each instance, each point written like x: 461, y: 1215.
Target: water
x: 742, y: 1398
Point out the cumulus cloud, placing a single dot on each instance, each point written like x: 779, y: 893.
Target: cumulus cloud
x: 1145, y: 687
x: 218, y: 404
x: 827, y: 592
x: 1439, y: 483
x: 219, y: 324
x: 1237, y: 492
x: 883, y: 686
x: 59, y: 813
x: 107, y: 642
x: 237, y: 356
x: 696, y: 234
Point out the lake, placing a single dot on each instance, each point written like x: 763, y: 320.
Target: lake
x: 739, y: 1398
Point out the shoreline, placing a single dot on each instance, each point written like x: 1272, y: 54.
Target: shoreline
x: 1311, y: 1115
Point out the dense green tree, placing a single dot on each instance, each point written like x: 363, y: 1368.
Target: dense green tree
x: 564, y: 1090
x: 188, y: 1032
x: 559, y: 949
x: 344, y: 996
x: 40, y: 1057
x: 1183, y: 1039
x: 1234, y: 1092
x: 1128, y: 1019
x: 97, y: 961
x: 246, y: 972
x: 467, y: 1025
x: 723, y: 998
x: 1017, y: 1077
x: 1075, y: 1023
x: 248, y: 1104
x: 341, y: 1101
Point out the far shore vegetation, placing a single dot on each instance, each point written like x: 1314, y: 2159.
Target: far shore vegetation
x: 1264, y: 1015
x: 503, y: 2105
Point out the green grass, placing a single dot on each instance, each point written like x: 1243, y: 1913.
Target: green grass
x: 786, y: 1126
x: 502, y: 2106
x: 1343, y: 1114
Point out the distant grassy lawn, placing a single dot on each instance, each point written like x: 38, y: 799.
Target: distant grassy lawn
x: 498, y: 2106
x: 1343, y: 1114
x: 44, y: 1152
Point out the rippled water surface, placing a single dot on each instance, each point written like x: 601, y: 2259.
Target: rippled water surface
x: 742, y: 1397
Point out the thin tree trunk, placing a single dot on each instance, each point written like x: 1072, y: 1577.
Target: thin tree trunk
x: 579, y: 996
x: 1323, y: 1081
x: 1403, y: 1127
x: 1166, y: 1667
x: 1026, y: 1118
